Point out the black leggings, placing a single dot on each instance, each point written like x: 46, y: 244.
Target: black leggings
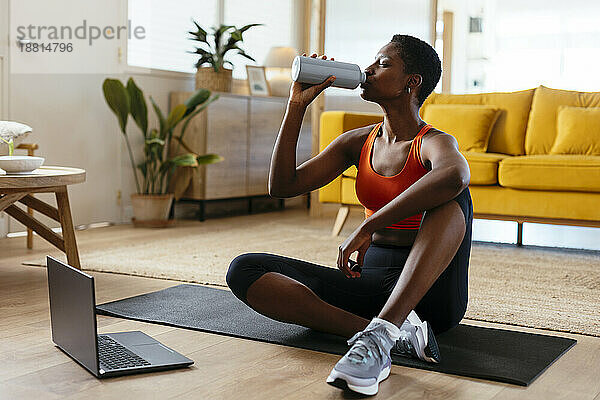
x: 443, y: 306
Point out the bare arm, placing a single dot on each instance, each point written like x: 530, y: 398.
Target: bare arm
x: 449, y: 176
x: 287, y: 180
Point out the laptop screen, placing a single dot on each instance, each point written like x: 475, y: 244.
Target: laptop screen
x: 72, y: 314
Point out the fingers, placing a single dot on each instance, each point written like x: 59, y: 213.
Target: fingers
x: 315, y: 90
x: 328, y: 82
x: 342, y: 264
x: 314, y: 55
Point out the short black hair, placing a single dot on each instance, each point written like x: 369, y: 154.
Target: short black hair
x: 419, y: 58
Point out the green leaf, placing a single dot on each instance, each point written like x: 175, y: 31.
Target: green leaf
x: 117, y: 99
x: 155, y: 141
x: 241, y: 52
x: 159, y: 114
x: 138, y: 107
x: 246, y: 27
x: 199, y: 97
x: 200, y: 34
x: 201, y: 51
x: 182, y: 160
x: 209, y: 159
x: 205, y: 60
x: 218, y: 33
x: 198, y: 110
x: 175, y: 116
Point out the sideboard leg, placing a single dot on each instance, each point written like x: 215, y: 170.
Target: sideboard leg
x: 201, y: 211
x: 68, y: 231
x: 519, y: 234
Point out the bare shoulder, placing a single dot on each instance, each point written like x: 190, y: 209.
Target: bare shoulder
x: 437, y: 145
x: 355, y: 139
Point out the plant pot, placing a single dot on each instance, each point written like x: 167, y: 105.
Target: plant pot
x: 152, y: 210
x: 207, y: 78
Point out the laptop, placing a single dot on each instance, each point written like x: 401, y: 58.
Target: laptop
x: 74, y: 330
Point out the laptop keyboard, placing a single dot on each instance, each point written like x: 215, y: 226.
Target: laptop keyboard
x: 114, y: 356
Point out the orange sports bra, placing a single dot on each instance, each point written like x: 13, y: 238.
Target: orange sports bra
x: 375, y: 191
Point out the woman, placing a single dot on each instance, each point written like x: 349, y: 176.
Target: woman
x: 412, y: 249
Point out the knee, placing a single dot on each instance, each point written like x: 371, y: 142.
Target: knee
x: 241, y: 271
x: 449, y: 215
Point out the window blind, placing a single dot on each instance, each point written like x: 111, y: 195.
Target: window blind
x: 167, y: 24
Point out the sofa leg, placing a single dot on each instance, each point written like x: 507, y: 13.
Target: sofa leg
x: 340, y: 220
x: 519, y: 234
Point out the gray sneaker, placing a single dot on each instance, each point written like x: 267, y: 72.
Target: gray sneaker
x: 367, y: 362
x: 417, y: 341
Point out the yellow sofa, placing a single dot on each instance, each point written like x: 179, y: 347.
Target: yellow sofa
x: 516, y: 178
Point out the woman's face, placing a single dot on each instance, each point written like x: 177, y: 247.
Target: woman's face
x: 385, y: 77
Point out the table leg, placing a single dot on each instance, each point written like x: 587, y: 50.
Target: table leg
x: 68, y: 231
x: 29, y: 230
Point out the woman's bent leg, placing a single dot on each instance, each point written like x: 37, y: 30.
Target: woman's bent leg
x: 304, y: 293
x: 287, y: 300
x: 435, y: 276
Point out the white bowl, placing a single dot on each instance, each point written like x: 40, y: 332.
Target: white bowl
x: 20, y: 164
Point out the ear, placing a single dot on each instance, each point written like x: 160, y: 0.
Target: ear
x: 414, y: 81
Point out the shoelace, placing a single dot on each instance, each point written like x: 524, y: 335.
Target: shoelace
x: 363, y: 344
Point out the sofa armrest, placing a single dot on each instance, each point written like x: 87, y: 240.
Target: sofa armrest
x: 333, y: 124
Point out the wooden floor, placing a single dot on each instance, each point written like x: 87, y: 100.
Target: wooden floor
x: 31, y: 367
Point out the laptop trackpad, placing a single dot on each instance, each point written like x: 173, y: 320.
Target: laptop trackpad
x: 146, y: 347
x: 132, y: 338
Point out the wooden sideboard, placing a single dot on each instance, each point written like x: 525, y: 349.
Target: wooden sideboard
x: 242, y: 129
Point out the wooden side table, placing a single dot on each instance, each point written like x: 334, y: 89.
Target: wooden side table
x: 53, y: 179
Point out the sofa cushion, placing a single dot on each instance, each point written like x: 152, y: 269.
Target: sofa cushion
x: 577, y: 131
x: 483, y: 166
x: 541, y: 128
x: 470, y: 124
x: 508, y: 134
x: 551, y: 172
x: 499, y: 200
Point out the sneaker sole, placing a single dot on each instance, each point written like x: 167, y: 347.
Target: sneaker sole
x: 338, y: 380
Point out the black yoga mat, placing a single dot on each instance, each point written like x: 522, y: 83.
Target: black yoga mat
x: 486, y: 353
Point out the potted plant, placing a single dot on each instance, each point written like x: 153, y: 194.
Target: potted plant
x: 152, y: 202
x: 215, y: 76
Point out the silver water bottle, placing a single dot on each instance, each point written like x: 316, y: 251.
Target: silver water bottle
x: 316, y: 70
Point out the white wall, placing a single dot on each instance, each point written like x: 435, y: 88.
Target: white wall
x: 73, y: 125
x: 3, y: 87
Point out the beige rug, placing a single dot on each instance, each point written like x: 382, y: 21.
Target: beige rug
x: 555, y: 289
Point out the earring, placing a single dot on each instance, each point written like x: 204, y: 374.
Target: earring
x: 408, y: 90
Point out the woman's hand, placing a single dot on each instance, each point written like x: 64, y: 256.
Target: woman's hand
x: 359, y: 241
x: 303, y: 94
